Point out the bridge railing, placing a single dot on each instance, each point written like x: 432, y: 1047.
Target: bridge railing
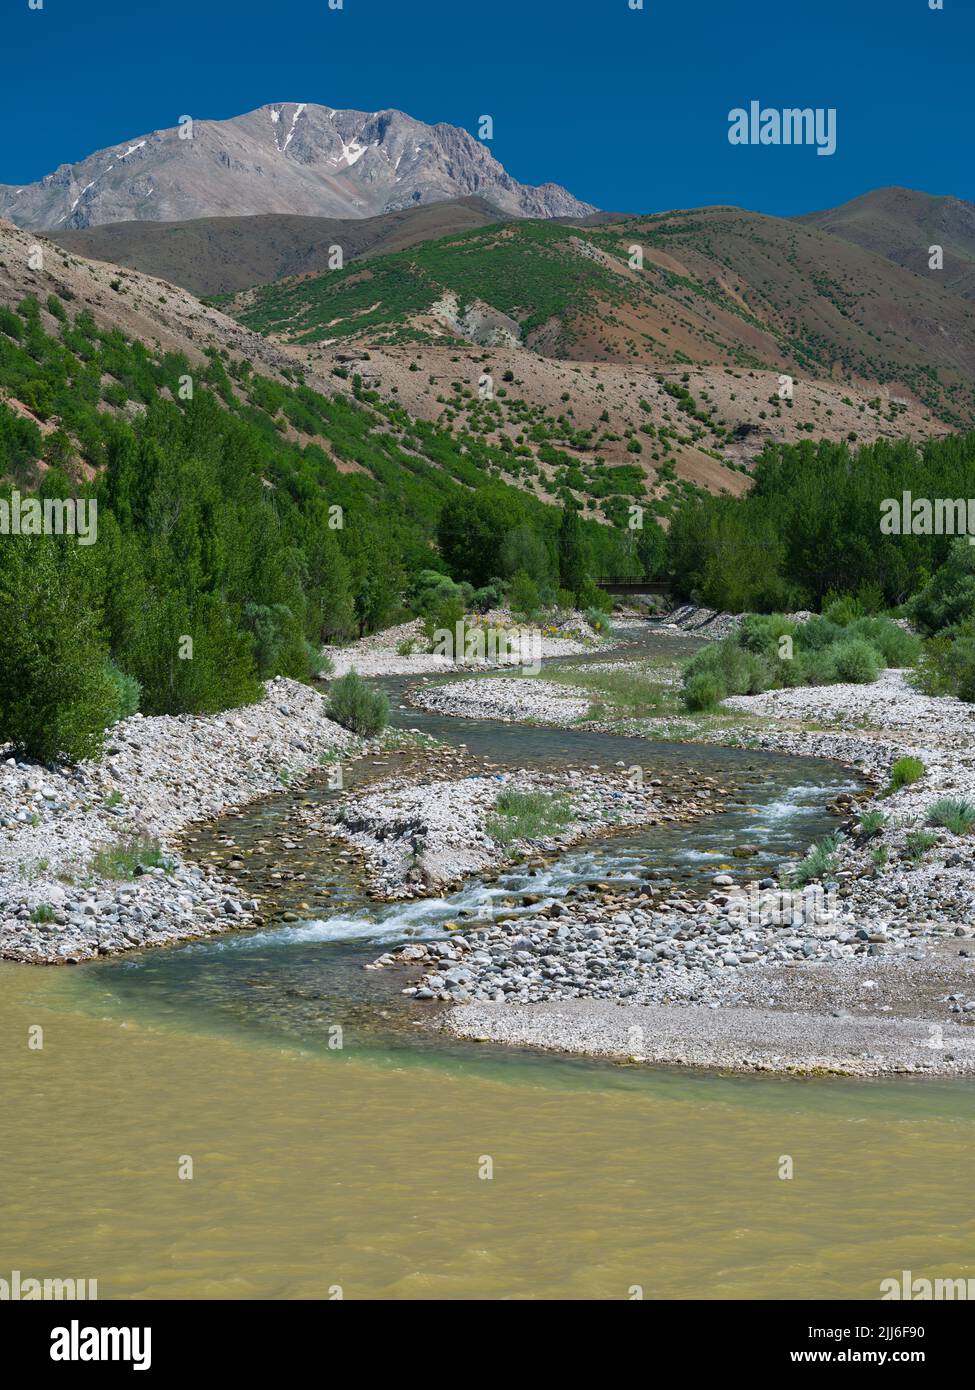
x: 626, y: 584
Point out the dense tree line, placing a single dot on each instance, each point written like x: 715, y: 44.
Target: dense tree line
x: 811, y: 524
x: 242, y: 522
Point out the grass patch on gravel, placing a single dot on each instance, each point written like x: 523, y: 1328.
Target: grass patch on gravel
x: 819, y: 864
x: 631, y: 694
x: 124, y: 860
x: 528, y: 816
x: 955, y: 815
x: 918, y: 842
x: 904, y: 772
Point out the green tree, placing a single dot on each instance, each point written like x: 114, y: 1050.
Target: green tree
x: 55, y: 696
x: 574, y: 553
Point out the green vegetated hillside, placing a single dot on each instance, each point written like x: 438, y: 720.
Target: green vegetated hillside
x: 521, y: 271
x: 904, y: 225
x: 717, y: 286
x: 258, y: 518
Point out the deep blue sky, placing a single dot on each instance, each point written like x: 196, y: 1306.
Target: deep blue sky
x: 628, y: 109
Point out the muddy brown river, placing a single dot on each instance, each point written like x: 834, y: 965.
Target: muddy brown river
x: 361, y: 1167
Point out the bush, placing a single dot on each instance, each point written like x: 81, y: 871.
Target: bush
x: 762, y: 633
x: 56, y: 699
x: 487, y: 597
x: 897, y: 647
x: 857, y: 662
x: 356, y: 706
x: 948, y: 598
x: 592, y: 596
x: 935, y: 673
x: 527, y: 816
x: 524, y: 597
x: 841, y: 609
x: 958, y: 816
x: 703, y: 691
x: 819, y: 666
x: 128, y: 859
x: 946, y: 665
x: 819, y: 633
x: 10, y: 323
x: 597, y: 619
x: 127, y: 689
x: 442, y: 618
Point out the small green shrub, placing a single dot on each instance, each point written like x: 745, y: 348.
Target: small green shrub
x: 127, y: 690
x: 738, y: 671
x: 817, y: 633
x: 356, y: 706
x: 524, y: 597
x: 897, y: 647
x: 958, y: 816
x: 42, y: 913
x: 946, y: 665
x: 857, y: 662
x: 703, y: 692
x: 759, y: 632
x: 934, y: 673
x: 818, y: 666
